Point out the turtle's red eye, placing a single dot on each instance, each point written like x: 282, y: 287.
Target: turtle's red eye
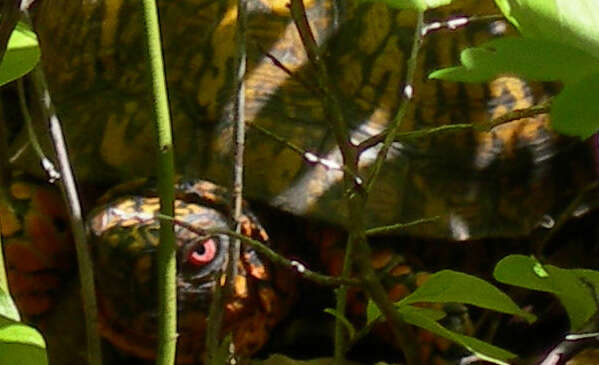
x: 203, y: 253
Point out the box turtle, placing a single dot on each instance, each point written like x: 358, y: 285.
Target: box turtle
x: 501, y: 183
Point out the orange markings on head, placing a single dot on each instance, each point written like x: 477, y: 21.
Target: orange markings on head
x: 255, y: 268
x: 240, y: 286
x: 246, y: 227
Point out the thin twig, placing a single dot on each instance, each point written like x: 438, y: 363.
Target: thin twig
x: 69, y: 189
x: 394, y: 228
x: 356, y: 199
x: 218, y: 301
x: 564, y: 217
x: 166, y: 256
x: 408, y: 95
x: 269, y: 253
x: 47, y: 165
x: 458, y: 22
x: 481, y: 127
x: 309, y: 157
x: 293, y: 75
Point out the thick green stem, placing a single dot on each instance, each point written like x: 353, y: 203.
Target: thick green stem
x: 167, y: 264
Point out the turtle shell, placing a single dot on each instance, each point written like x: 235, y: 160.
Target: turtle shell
x: 124, y: 238
x: 479, y: 184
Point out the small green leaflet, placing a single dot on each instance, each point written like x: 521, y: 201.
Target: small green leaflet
x: 22, y: 54
x: 21, y: 344
x: 571, y: 287
x: 571, y: 22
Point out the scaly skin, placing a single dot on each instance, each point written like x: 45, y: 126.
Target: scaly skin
x: 480, y: 184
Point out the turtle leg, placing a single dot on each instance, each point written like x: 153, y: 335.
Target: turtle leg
x: 37, y: 244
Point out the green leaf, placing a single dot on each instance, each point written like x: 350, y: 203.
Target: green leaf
x: 533, y: 59
x: 21, y: 344
x: 373, y: 313
x: 574, y: 23
x: 427, y: 318
x: 22, y: 54
x: 351, y: 330
x: 420, y: 5
x: 483, y: 350
x: 449, y: 286
x: 7, y: 307
x: 539, y: 269
x: 567, y: 285
x: 574, y: 111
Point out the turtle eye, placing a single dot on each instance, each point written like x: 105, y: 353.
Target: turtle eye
x: 202, y: 253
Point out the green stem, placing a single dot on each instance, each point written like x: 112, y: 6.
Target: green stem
x: 408, y: 94
x: 341, y: 299
x: 167, y: 265
x: 356, y: 196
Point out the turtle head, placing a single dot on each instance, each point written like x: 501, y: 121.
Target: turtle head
x: 125, y: 236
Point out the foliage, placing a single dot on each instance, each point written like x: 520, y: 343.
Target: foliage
x: 22, y: 54
x: 554, y: 33
x: 19, y: 344
x: 449, y: 286
x: 575, y: 288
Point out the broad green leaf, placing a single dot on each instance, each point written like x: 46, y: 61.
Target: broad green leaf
x: 448, y: 286
x: 21, y: 344
x: 571, y: 22
x: 420, y: 5
x: 351, y: 330
x: 575, y: 111
x: 22, y: 54
x: 575, y: 296
x: 483, y: 350
x: 533, y: 59
x: 7, y: 307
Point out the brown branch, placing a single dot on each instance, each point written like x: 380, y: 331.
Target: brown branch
x: 291, y: 74
x: 483, y: 127
x: 356, y: 202
x: 269, y: 253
